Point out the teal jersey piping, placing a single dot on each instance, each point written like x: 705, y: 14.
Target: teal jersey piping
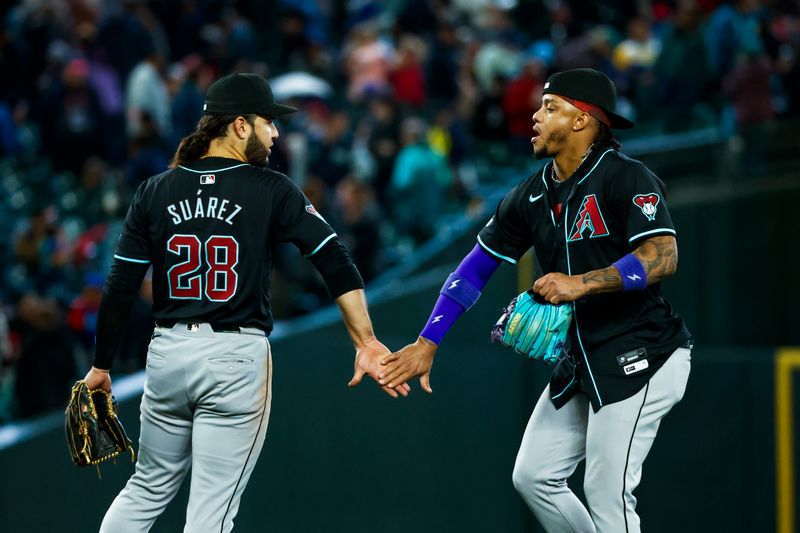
x: 132, y: 260
x: 575, y: 311
x: 329, y: 237
x: 659, y: 230
x: 499, y: 256
x: 211, y: 171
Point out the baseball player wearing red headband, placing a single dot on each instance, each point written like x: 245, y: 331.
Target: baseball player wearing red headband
x: 603, y: 238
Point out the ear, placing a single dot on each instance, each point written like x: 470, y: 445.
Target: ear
x: 241, y: 128
x: 582, y: 121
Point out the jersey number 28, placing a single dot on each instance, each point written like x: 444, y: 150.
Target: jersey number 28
x: 186, y: 280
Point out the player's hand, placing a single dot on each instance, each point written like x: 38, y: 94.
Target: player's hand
x: 98, y: 379
x: 556, y: 288
x: 413, y: 360
x: 368, y: 361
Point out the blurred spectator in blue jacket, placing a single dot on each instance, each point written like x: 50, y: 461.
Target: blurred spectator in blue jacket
x: 9, y: 140
x: 190, y: 79
x: 682, y: 73
x: 732, y: 28
x: 146, y: 94
x: 419, y: 179
x: 124, y: 37
x: 72, y: 119
x: 42, y: 248
x: 148, y: 152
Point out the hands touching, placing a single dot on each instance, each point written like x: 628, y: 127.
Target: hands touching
x: 368, y: 361
x: 413, y: 360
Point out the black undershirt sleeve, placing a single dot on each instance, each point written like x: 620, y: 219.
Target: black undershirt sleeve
x: 119, y: 292
x: 337, y: 269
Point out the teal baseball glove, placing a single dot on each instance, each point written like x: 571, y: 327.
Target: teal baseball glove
x: 533, y: 328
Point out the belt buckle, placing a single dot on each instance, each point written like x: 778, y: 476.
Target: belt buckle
x: 193, y: 326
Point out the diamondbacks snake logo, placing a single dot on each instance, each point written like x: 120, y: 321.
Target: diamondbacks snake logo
x: 647, y: 203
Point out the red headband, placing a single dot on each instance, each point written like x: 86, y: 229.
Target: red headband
x: 591, y: 109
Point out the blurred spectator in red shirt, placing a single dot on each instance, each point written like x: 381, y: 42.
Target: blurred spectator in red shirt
x: 408, y: 77
x: 521, y: 99
x: 82, y: 312
x: 747, y: 87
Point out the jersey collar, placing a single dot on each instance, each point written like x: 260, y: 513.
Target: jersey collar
x: 214, y: 164
x: 585, y: 169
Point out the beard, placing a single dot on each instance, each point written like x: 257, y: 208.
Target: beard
x: 555, y: 138
x: 256, y: 152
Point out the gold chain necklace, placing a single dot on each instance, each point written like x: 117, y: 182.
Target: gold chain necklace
x: 583, y: 158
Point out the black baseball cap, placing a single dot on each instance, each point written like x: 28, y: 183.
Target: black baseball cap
x: 590, y: 86
x: 242, y: 94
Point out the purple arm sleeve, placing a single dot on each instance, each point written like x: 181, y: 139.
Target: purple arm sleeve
x: 476, y: 268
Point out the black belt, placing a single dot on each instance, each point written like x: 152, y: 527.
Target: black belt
x: 216, y: 326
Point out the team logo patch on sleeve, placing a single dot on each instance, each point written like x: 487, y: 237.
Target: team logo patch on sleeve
x: 647, y: 203
x: 310, y: 209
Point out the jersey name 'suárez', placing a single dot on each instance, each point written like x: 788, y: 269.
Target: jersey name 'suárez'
x: 212, y: 208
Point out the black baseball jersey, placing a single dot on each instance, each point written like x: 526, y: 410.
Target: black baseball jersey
x: 600, y: 214
x: 209, y: 231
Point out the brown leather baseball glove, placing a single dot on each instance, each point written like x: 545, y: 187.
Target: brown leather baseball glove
x: 94, y: 432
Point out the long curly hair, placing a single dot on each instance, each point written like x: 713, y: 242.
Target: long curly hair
x: 195, y: 145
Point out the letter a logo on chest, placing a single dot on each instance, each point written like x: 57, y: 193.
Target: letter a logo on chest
x: 588, y: 219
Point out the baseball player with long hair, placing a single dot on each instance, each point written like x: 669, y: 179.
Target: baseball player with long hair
x: 603, y: 237
x: 207, y: 227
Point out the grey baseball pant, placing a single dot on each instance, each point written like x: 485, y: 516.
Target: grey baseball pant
x: 614, y: 441
x: 206, y: 405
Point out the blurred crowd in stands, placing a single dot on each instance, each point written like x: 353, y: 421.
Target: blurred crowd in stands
x: 400, y: 100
